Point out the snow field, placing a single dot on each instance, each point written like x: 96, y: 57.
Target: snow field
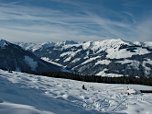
x: 32, y: 94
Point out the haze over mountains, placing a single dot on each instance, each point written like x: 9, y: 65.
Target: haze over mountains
x: 113, y: 57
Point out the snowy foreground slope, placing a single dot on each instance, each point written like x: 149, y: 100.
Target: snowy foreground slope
x: 22, y: 93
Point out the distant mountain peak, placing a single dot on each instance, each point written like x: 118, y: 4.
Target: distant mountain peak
x: 66, y: 42
x: 3, y: 43
x: 105, y: 44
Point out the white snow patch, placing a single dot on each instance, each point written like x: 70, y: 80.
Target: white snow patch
x: 104, y: 62
x: 123, y: 53
x: 75, y: 60
x: 125, y: 61
x: 141, y: 51
x: 49, y: 61
x: 67, y: 59
x: 148, y: 44
x: 70, y: 53
x: 104, y: 74
x: 69, y: 45
x: 101, y: 73
x: 86, y: 45
x: 104, y: 44
x: 90, y: 59
x: 66, y: 53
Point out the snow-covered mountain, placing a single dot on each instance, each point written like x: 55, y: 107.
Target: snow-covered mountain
x: 112, y: 57
x: 15, y: 58
x: 22, y: 93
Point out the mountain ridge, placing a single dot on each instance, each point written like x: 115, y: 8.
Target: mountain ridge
x: 14, y: 57
x: 112, y: 57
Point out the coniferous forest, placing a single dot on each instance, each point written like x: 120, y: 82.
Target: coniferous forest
x: 100, y: 79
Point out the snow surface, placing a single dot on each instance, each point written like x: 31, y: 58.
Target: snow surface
x: 90, y: 60
x: 149, y: 44
x: 104, y: 74
x: 144, y: 44
x: 125, y: 61
x: 52, y: 62
x: 22, y: 93
x: 105, y: 62
x: 76, y: 60
x: 111, y: 46
x: 69, y: 55
x: 123, y: 53
x: 104, y: 44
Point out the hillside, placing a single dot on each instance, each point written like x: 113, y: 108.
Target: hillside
x: 113, y: 57
x: 13, y: 57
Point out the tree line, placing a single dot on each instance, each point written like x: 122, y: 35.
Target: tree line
x: 100, y: 79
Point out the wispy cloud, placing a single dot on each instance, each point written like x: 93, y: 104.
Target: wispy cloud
x: 144, y: 28
x: 83, y: 22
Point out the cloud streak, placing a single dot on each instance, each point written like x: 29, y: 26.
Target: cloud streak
x: 21, y: 22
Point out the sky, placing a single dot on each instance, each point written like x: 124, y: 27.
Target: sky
x: 79, y: 20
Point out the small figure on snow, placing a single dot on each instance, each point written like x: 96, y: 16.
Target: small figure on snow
x: 83, y: 87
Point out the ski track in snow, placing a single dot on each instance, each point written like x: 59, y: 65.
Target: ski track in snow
x: 30, y: 94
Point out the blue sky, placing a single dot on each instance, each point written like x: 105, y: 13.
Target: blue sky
x: 80, y: 20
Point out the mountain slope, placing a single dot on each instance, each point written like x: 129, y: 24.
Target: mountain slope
x: 15, y: 58
x: 113, y: 57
